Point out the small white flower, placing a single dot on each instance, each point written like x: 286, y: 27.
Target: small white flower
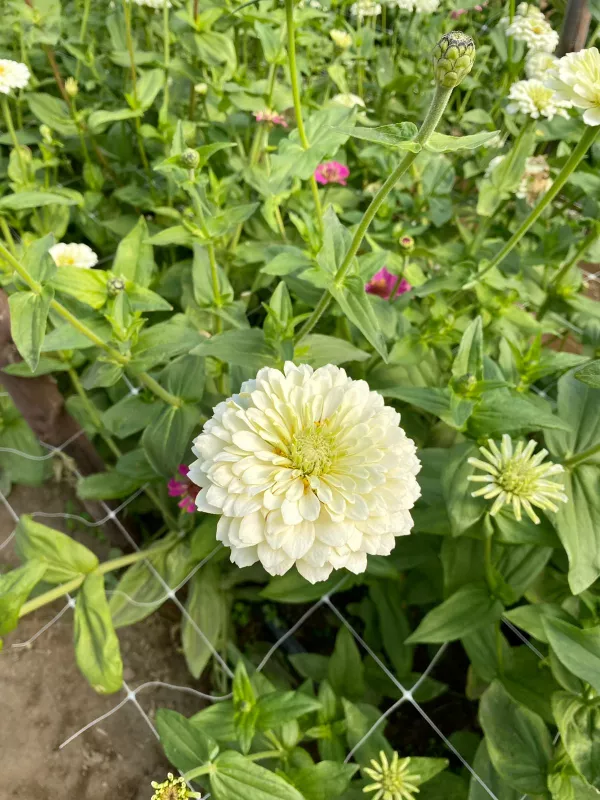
x: 426, y: 6
x: 341, y: 39
x: 73, y: 255
x: 307, y: 468
x: 155, y: 4
x: 535, y: 99
x: 392, y: 780
x: 517, y: 477
x: 576, y: 79
x: 539, y: 64
x: 365, y: 8
x: 13, y: 75
x: 529, y: 25
x: 535, y: 180
x: 348, y: 100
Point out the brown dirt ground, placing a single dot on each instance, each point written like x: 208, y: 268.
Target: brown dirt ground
x: 44, y: 698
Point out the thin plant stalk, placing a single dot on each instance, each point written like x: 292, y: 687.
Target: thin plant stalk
x: 13, y: 134
x: 87, y: 4
x: 291, y: 48
x: 430, y: 123
x: 133, y: 71
x: 164, y: 111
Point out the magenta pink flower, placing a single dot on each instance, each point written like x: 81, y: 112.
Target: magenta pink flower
x: 184, y: 489
x: 332, y: 172
x: 270, y: 116
x: 383, y: 282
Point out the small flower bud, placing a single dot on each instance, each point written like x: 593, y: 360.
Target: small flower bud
x: 407, y: 242
x: 189, y: 158
x: 46, y: 133
x: 71, y: 87
x: 453, y: 58
x: 201, y: 88
x: 115, y: 286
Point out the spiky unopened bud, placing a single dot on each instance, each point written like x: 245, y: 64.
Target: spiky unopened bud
x: 189, y: 158
x: 453, y: 58
x: 114, y: 286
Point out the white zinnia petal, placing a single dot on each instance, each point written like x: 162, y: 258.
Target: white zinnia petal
x: 13, y: 75
x: 307, y: 467
x: 576, y: 79
x: 73, y: 255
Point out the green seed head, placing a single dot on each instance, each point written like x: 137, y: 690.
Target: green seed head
x: 453, y: 58
x: 189, y: 158
x: 115, y: 286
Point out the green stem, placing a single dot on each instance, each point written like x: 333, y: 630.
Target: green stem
x: 7, y: 235
x: 13, y: 135
x: 430, y: 123
x: 133, y: 70
x: 510, y: 45
x: 83, y: 31
x: 569, y: 463
x: 291, y: 48
x: 164, y: 111
x: 588, y: 138
x: 158, y: 390
x: 214, y: 274
x: 70, y: 586
x: 487, y: 560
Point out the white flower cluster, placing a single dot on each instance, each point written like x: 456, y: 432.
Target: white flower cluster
x: 306, y: 467
x: 419, y: 6
x: 13, y: 75
x: 535, y: 99
x: 73, y: 255
x: 539, y: 63
x: 576, y: 80
x: 529, y: 25
x: 365, y: 8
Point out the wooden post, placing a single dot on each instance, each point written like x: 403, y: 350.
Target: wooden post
x: 43, y: 408
x: 576, y: 27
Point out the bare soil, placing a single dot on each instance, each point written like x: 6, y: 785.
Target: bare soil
x: 44, y: 699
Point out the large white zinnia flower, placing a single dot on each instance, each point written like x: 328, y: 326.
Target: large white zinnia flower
x: 73, y: 255
x: 307, y: 467
x: 533, y: 98
x: 13, y: 75
x: 529, y: 25
x: 576, y: 79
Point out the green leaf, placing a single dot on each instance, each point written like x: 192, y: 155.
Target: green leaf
x: 579, y: 728
x: 110, y: 485
x: 66, y: 337
x: 530, y: 682
x: 184, y: 377
x: 505, y: 177
x: 15, y: 588
x: 102, y: 374
x: 531, y: 618
x: 202, y: 279
x: 518, y: 742
x: 435, y: 401
x: 590, y: 374
x: 24, y: 200
x: 208, y: 607
x: 326, y: 780
x: 464, y: 511
x: 389, y: 602
x: 244, y: 348
x: 577, y: 407
x: 97, y: 649
x: 484, y: 770
x: 129, y: 415
x: 98, y: 121
x: 52, y: 112
x: 359, y: 721
x: 148, y: 86
x: 506, y: 411
x: 319, y: 350
x: 277, y: 708
x: 224, y: 221
x: 134, y: 259
x: 346, y: 670
x: 469, y: 359
x: 244, y: 706
x: 169, y: 437
x: 175, y: 234
x: 440, y: 143
x: 86, y: 285
x: 63, y: 556
x: 28, y: 317
x: 37, y: 260
x: 216, y: 721
x: 164, y: 341
x: 185, y: 744
x: 237, y: 778
x: 468, y: 609
x: 293, y: 588
x: 139, y: 592
x: 397, y: 136
x: 577, y: 649
x: 356, y: 305
x: 426, y: 768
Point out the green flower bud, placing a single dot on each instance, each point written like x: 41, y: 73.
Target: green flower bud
x: 189, y: 158
x: 46, y: 133
x: 114, y: 286
x: 201, y: 89
x: 453, y: 58
x: 71, y: 87
x: 407, y: 242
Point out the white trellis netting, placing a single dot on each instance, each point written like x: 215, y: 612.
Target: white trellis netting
x: 131, y: 694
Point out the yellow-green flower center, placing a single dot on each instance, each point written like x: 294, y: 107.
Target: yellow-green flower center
x: 312, y: 450
x: 517, y: 477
